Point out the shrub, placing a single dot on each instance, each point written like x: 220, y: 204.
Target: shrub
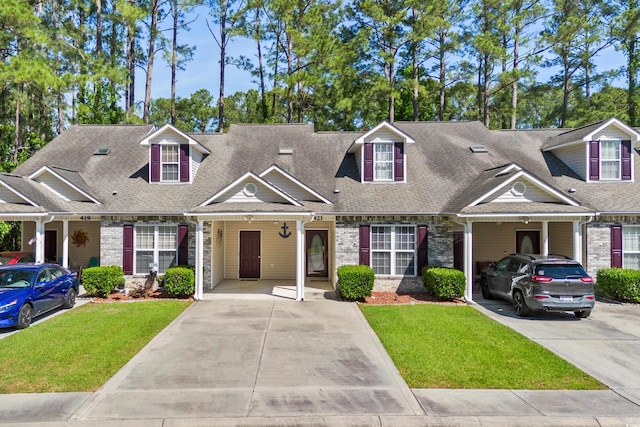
x: 180, y: 281
x: 355, y: 282
x: 620, y: 283
x: 444, y: 282
x: 102, y: 280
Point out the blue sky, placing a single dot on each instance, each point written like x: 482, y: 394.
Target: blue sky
x: 202, y: 72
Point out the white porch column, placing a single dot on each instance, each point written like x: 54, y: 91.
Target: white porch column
x: 468, y: 260
x: 300, y: 260
x: 39, y: 241
x: 545, y: 237
x: 65, y: 243
x: 577, y: 241
x: 199, y: 260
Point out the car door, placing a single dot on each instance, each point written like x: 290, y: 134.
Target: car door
x: 495, y: 277
x: 43, y: 296
x: 60, y: 285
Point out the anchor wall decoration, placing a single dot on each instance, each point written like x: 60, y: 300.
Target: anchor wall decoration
x: 284, y: 234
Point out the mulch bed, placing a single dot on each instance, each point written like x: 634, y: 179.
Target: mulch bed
x: 381, y: 298
x: 122, y: 297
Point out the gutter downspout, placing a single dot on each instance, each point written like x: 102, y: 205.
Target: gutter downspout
x: 577, y: 239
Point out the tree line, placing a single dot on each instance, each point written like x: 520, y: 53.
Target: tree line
x: 341, y: 65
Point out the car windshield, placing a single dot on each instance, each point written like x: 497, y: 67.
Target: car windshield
x: 16, y: 278
x: 560, y: 271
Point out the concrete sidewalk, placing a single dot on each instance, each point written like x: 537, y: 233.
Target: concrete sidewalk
x: 281, y: 362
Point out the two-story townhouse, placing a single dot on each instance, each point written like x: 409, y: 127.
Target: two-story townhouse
x: 286, y: 203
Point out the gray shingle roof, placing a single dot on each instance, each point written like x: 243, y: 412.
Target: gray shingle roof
x: 443, y: 174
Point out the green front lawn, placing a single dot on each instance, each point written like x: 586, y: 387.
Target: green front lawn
x: 80, y: 350
x: 443, y: 346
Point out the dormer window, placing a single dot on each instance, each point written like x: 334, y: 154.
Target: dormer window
x: 170, y: 163
x: 610, y: 160
x: 383, y: 161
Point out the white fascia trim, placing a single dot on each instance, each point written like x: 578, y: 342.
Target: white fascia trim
x: 565, y: 144
x: 530, y: 177
x: 294, y: 181
x: 614, y: 122
x: 359, y: 141
x: 17, y: 193
x: 528, y: 214
x: 61, y: 178
x: 508, y: 169
x: 257, y: 178
x: 9, y: 214
x: 253, y: 215
x: 189, y: 140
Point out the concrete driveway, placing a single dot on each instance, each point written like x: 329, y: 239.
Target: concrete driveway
x: 606, y: 345
x: 239, y: 358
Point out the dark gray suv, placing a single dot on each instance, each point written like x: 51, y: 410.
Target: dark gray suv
x: 540, y: 282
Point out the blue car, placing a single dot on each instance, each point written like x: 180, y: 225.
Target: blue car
x: 29, y: 290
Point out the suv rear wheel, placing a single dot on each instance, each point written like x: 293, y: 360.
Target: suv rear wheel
x: 518, y: 302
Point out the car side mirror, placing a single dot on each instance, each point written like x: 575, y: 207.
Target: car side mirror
x: 41, y: 285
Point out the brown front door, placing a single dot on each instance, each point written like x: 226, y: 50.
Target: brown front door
x: 528, y: 241
x: 317, y: 253
x: 50, y: 245
x: 249, y: 255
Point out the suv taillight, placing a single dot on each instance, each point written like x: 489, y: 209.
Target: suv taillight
x: 587, y: 279
x: 541, y: 279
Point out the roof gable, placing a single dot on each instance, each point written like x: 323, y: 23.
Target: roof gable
x: 251, y: 188
x: 169, y: 134
x: 591, y: 133
x: 11, y: 195
x: 382, y: 132
x: 282, y: 180
x: 65, y: 184
x: 512, y: 184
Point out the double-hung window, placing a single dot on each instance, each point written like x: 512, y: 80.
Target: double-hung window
x: 631, y: 247
x: 155, y: 246
x: 383, y: 162
x: 170, y: 160
x: 393, y: 249
x: 610, y: 163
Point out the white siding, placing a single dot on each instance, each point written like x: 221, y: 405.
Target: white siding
x: 611, y: 133
x: 59, y: 188
x: 196, y: 159
x: 533, y: 193
x: 383, y: 135
x: 263, y: 194
x: 288, y: 186
x: 575, y: 157
x: 168, y: 137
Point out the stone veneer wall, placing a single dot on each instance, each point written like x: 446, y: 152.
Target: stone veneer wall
x: 440, y: 247
x: 598, y: 241
x: 111, y: 240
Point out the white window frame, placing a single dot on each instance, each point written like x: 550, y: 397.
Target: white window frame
x: 618, y: 161
x: 625, y: 251
x: 168, y: 163
x: 390, y: 162
x: 156, y: 249
x: 393, y: 250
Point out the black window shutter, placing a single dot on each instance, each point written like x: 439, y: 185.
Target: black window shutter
x: 155, y: 163
x: 184, y: 163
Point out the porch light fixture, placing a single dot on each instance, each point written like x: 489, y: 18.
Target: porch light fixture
x: 525, y: 220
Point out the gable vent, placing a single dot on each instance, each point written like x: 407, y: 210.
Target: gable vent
x: 102, y: 152
x: 285, y: 151
x: 478, y: 149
